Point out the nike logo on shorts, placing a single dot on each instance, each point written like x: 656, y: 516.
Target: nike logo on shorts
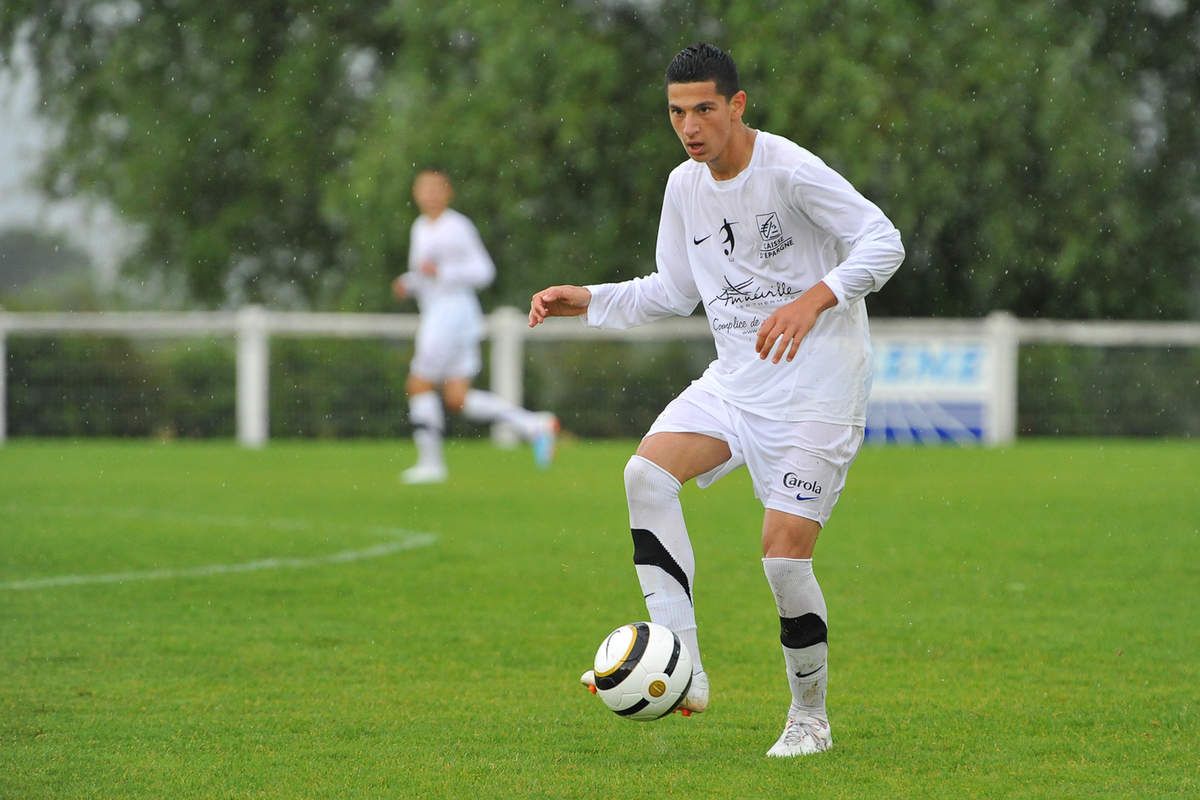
x: 701, y: 240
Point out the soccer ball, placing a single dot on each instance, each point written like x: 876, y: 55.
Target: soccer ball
x: 642, y: 671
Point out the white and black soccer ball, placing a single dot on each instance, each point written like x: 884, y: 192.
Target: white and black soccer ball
x: 642, y: 671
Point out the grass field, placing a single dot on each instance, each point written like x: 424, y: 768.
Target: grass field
x: 194, y: 620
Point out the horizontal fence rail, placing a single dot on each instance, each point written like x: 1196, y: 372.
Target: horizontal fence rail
x: 507, y: 328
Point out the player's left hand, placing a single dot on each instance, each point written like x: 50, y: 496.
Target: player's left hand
x: 788, y: 326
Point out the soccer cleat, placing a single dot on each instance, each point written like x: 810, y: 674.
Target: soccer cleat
x: 423, y: 473
x: 544, y: 440
x: 802, y: 737
x: 696, y: 699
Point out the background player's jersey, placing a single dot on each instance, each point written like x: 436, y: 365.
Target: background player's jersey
x: 447, y: 300
x: 746, y: 246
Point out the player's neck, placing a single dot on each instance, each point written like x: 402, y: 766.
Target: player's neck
x: 736, y: 155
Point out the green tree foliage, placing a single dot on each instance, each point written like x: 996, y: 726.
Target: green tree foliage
x: 1039, y: 157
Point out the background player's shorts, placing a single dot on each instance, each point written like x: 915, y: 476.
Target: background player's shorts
x: 440, y: 358
x: 796, y: 467
x: 447, y: 345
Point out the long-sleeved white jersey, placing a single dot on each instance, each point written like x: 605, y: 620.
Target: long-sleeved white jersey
x: 447, y: 301
x: 746, y: 246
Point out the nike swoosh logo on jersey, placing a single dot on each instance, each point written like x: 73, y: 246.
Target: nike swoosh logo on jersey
x: 802, y: 497
x: 701, y: 240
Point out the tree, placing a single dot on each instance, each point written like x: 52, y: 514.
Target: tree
x: 214, y: 125
x: 1037, y: 157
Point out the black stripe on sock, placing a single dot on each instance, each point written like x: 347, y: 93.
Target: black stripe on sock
x: 650, y: 552
x: 803, y: 631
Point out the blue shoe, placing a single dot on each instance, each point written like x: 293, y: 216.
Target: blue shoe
x: 544, y: 440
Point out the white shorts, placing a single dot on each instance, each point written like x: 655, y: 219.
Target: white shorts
x: 796, y: 467
x: 441, y: 360
x: 447, y: 347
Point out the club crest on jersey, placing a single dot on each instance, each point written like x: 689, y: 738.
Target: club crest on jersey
x: 774, y: 241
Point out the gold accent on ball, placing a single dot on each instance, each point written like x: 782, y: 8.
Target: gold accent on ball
x: 657, y: 689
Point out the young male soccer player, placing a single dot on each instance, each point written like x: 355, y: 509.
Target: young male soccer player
x: 447, y: 263
x: 780, y: 250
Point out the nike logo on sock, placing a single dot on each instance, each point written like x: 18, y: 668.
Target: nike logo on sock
x: 809, y: 674
x: 648, y: 596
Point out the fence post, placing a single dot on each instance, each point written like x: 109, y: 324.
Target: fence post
x: 252, y: 376
x: 1002, y: 328
x: 507, y: 326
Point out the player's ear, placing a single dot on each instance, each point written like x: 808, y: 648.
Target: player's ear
x: 737, y: 105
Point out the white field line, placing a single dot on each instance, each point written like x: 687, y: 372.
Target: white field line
x: 405, y: 540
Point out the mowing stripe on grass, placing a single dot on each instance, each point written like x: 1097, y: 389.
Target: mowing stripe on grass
x: 410, y: 541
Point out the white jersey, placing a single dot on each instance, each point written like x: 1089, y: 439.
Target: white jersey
x: 749, y: 245
x: 447, y: 301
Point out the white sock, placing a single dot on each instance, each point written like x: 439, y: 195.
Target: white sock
x: 662, y: 551
x: 481, y: 406
x: 428, y: 421
x: 802, y: 632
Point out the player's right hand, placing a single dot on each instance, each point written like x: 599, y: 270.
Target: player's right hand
x: 558, y: 301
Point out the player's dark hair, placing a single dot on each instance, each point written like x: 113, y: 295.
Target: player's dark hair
x: 702, y: 62
x: 436, y: 169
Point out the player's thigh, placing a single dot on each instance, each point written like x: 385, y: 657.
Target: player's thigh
x: 416, y: 385
x: 684, y: 455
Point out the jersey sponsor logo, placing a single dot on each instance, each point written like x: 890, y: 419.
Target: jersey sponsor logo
x: 745, y: 292
x: 774, y: 241
x: 809, y: 489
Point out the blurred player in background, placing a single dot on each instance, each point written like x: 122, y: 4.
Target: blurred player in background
x: 447, y: 265
x: 781, y: 251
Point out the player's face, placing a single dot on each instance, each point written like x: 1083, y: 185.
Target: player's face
x: 432, y: 193
x: 703, y: 119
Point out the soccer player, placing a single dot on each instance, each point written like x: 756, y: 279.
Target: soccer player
x: 780, y: 250
x: 447, y: 264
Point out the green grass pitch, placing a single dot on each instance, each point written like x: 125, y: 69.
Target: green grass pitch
x: 194, y: 620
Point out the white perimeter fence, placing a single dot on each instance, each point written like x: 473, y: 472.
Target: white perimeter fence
x: 935, y: 379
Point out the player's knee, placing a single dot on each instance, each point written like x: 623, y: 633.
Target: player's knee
x: 414, y: 385
x: 648, y: 483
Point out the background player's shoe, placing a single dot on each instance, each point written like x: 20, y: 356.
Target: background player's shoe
x: 588, y: 679
x: 423, y: 473
x: 544, y: 440
x: 802, y: 737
